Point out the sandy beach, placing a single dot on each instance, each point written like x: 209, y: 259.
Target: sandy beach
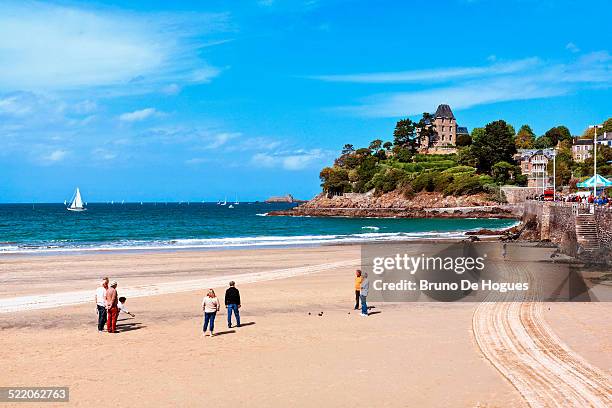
x: 286, y: 353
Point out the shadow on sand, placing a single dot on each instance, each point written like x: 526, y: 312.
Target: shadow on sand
x: 125, y: 327
x: 221, y: 333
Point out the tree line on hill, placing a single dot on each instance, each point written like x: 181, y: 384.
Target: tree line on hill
x: 484, y: 161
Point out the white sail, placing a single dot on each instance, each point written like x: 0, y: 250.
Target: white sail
x: 77, y: 202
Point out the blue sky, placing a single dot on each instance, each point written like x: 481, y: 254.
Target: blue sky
x: 156, y: 100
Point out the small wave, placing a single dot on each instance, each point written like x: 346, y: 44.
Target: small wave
x: 370, y: 227
x: 262, y: 214
x: 234, y: 242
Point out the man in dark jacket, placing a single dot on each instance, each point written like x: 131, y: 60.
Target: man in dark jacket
x: 232, y: 302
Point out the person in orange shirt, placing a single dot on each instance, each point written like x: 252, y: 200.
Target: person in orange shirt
x: 358, y: 279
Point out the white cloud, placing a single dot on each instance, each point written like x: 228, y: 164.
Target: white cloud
x: 138, y: 115
x: 543, y: 81
x: 263, y: 160
x: 290, y: 160
x: 21, y: 104
x: 572, y: 47
x: 221, y: 139
x: 55, y: 47
x: 433, y: 75
x: 171, y: 89
x: 103, y: 154
x: 196, y: 160
x: 54, y: 156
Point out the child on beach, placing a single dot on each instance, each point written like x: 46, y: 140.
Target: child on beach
x: 210, y: 305
x: 122, y: 308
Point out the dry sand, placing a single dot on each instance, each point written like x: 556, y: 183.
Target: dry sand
x: 411, y: 354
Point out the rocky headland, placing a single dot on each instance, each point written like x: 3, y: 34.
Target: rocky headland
x: 395, y: 205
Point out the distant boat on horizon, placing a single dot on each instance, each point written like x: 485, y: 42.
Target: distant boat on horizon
x: 224, y: 201
x: 236, y: 201
x: 77, y: 202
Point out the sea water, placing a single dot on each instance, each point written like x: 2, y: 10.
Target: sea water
x: 48, y: 228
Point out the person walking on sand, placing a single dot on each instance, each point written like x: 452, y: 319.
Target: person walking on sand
x: 358, y: 279
x: 111, y: 307
x: 232, y: 302
x: 363, y: 294
x: 101, y: 304
x: 210, y: 305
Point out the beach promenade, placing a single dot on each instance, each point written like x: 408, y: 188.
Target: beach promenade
x: 301, y: 343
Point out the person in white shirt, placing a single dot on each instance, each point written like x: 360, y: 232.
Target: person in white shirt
x: 100, y: 300
x: 210, y: 305
x: 122, y: 307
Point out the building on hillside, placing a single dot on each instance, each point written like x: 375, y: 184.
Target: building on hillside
x: 605, y: 139
x: 534, y: 164
x: 446, y: 131
x: 581, y: 149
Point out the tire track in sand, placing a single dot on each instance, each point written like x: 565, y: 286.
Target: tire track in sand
x: 512, y: 334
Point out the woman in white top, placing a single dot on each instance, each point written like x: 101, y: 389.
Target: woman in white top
x: 210, y: 305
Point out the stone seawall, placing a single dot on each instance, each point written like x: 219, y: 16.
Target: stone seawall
x: 604, y: 228
x: 556, y: 222
x: 516, y: 195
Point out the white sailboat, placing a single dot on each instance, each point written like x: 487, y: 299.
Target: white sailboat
x: 224, y: 201
x: 236, y: 202
x: 77, y: 202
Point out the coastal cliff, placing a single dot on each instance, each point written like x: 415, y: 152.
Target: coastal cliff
x: 394, y: 204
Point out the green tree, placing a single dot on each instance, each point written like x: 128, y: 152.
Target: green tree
x: 503, y: 172
x: 404, y: 134
x: 402, y: 154
x: 496, y: 144
x: 365, y: 171
x: 466, y: 157
x: 386, y: 180
x: 604, y: 166
x: 476, y: 133
x: 427, y: 130
x: 375, y: 145
x: 557, y: 134
x: 348, y: 149
x: 511, y: 129
x: 607, y: 127
x: 335, y: 180
x: 387, y: 146
x: 525, y: 138
x: 464, y: 140
x: 543, y: 142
